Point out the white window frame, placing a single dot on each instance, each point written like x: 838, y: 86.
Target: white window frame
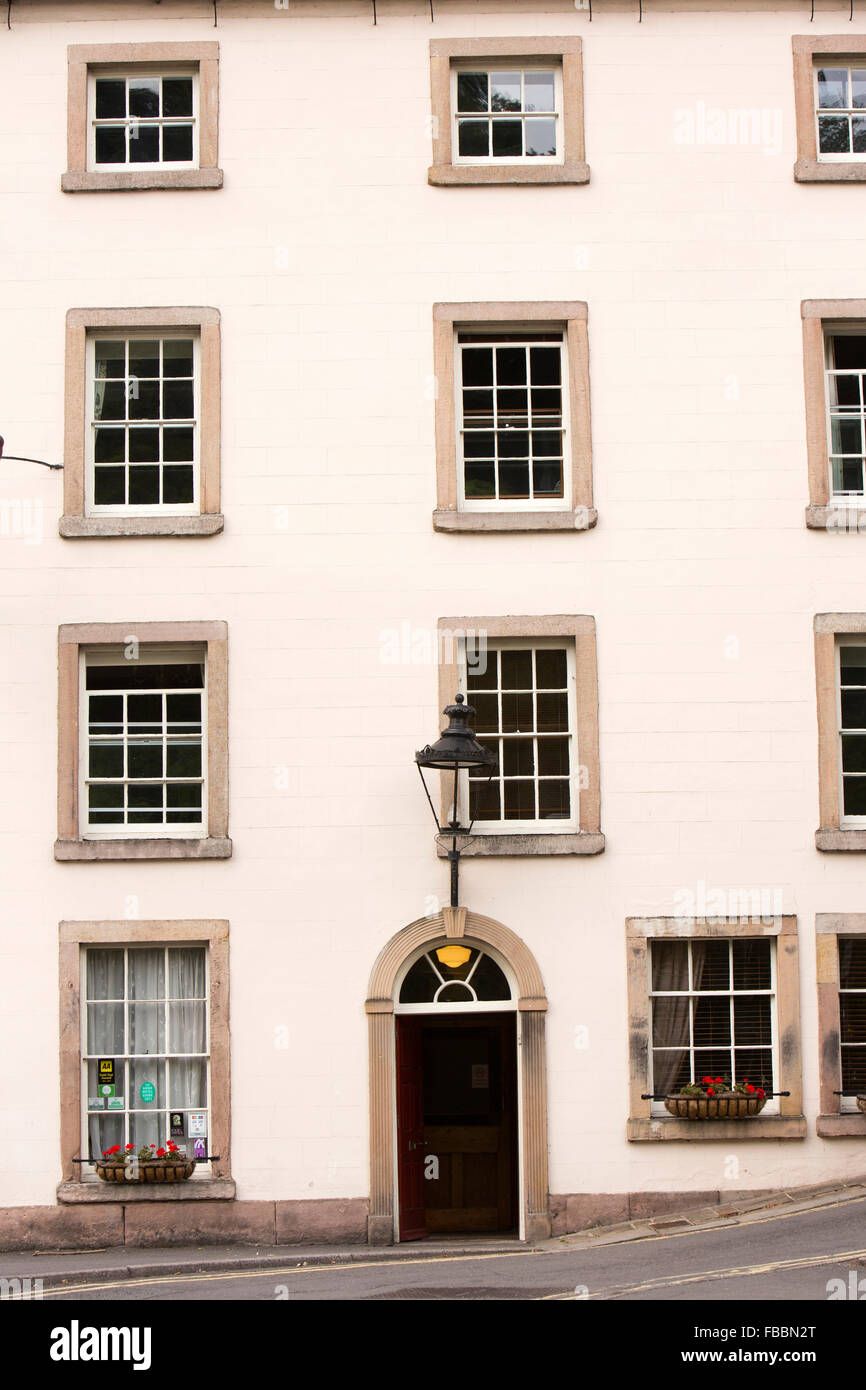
x: 134, y: 72
x: 493, y: 336
x: 202, y: 1169
x: 490, y: 66
x: 771, y: 1107
x: 164, y: 509
x: 842, y: 640
x: 831, y: 330
x: 849, y: 156
x: 151, y: 655
x: 479, y: 1006
x: 517, y: 827
x: 848, y: 1104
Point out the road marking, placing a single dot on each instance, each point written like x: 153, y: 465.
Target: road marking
x: 733, y: 1272
x: 289, y: 1269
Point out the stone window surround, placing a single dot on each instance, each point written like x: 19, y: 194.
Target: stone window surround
x: 69, y: 844
x: 822, y: 513
x: 215, y: 936
x: 579, y: 628
x: 567, y: 52
x: 642, y: 1126
x: 829, y: 926
x: 80, y: 323
x: 809, y: 168
x: 82, y: 58
x: 453, y: 923
x: 831, y: 835
x: 581, y: 516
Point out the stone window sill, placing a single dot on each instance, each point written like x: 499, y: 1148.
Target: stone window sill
x: 210, y: 848
x: 841, y: 841
x: 817, y: 171
x: 444, y: 174
x: 101, y: 526
x: 657, y: 1130
x: 194, y: 1189
x: 76, y: 181
x: 841, y: 1126
x: 581, y: 519
x: 582, y: 842
x: 838, y: 517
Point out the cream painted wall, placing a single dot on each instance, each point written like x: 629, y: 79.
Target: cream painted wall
x: 324, y: 253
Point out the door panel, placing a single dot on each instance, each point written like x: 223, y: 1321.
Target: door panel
x: 410, y: 1129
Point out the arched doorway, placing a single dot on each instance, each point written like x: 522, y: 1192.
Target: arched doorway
x: 434, y: 1007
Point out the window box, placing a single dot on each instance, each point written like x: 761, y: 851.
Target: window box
x: 143, y: 756
x: 534, y: 684
x: 723, y: 1106
x: 829, y: 84
x: 513, y: 437
x: 507, y: 110
x: 841, y: 949
x: 142, y: 426
x: 142, y: 116
x: 152, y: 997
x: 713, y: 995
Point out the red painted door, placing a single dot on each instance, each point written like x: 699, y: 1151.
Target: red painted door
x: 410, y: 1129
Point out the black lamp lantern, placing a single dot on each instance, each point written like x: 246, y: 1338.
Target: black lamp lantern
x: 456, y: 751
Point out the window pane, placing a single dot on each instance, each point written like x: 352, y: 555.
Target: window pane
x: 177, y: 357
x: 477, y: 366
x: 507, y: 138
x: 111, y: 145
x: 177, y: 443
x: 670, y: 965
x: 516, y: 669
x: 553, y: 757
x: 853, y: 709
x: 541, y: 137
x: 518, y: 757
x: 472, y: 91
x: 177, y: 400
x: 712, y: 1023
x: 177, y: 144
x: 520, y: 800
x: 752, y: 1020
x: 186, y: 972
x: 110, y: 98
x: 554, y: 800
x: 852, y: 964
x: 833, y: 135
x: 473, y: 138
x: 143, y: 144
x: 187, y: 1085
x: 670, y: 1025
x: 104, y: 974
x: 141, y: 1072
x: 147, y: 1028
x: 420, y: 985
x: 710, y: 965
x: 547, y: 479
x: 832, y: 87
x: 177, y: 96
x: 553, y: 713
x: 858, y: 134
x: 751, y: 964
x: 144, y: 96
x: 505, y: 91
x: 756, y: 1066
x: 105, y: 760
x: 105, y: 1029
x: 488, y: 980
x: 539, y: 89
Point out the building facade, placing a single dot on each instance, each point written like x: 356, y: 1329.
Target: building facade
x: 394, y: 351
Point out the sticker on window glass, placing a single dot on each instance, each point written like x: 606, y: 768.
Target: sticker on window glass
x: 197, y: 1123
x: 147, y: 1091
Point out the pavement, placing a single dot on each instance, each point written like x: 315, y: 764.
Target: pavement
x: 117, y: 1262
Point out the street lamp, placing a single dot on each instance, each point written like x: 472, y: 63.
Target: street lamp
x: 456, y: 751
x: 22, y: 458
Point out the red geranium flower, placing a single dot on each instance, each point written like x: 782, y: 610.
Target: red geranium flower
x: 711, y: 1092
x: 720, y: 1079
x: 160, y: 1153
x: 761, y: 1091
x: 751, y: 1090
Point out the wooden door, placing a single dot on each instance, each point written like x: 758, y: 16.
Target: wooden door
x: 410, y: 1129
x: 473, y: 1183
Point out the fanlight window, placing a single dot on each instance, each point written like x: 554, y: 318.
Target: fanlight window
x: 454, y: 974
